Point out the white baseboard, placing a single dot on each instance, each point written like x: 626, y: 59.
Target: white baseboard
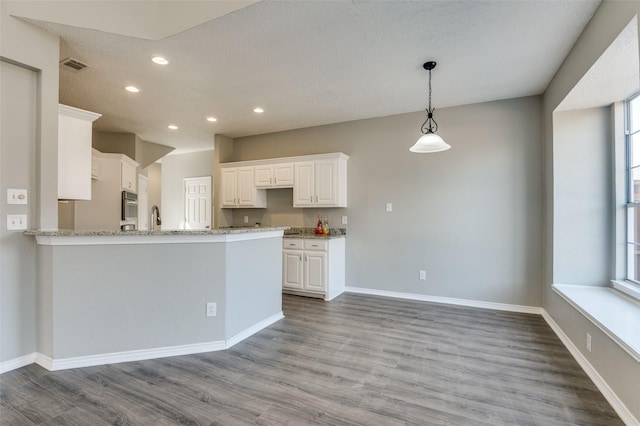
x: 136, y: 355
x: 16, y: 363
x: 619, y: 407
x: 448, y: 300
x: 253, y: 329
x: 128, y: 356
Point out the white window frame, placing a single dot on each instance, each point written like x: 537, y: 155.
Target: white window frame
x: 630, y: 286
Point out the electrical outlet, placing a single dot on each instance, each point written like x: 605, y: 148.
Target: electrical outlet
x: 423, y: 275
x: 389, y: 207
x: 16, y: 222
x: 344, y: 220
x: 246, y: 219
x: 588, y: 342
x: 211, y: 309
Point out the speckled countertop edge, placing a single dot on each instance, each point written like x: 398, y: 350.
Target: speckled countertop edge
x: 307, y: 233
x: 72, y: 233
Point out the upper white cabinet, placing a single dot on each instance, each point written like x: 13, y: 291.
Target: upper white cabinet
x: 321, y: 183
x: 128, y: 174
x: 279, y: 175
x: 239, y: 189
x: 74, y: 152
x: 317, y: 181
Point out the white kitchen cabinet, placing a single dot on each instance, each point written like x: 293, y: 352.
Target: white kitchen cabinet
x: 321, y: 183
x: 95, y: 164
x: 314, y: 267
x: 128, y: 174
x: 74, y: 152
x: 279, y: 175
x: 239, y: 189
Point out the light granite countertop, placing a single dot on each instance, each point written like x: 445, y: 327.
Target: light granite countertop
x: 307, y: 233
x: 97, y: 233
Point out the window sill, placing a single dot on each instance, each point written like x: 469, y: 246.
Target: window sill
x: 613, y: 312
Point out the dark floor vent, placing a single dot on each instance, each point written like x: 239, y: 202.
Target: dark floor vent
x: 73, y: 64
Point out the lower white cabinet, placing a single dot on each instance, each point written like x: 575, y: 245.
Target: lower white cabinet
x: 313, y: 267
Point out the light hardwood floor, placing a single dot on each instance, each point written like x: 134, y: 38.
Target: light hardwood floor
x: 356, y: 360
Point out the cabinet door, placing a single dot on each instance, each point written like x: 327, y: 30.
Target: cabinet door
x: 315, y: 271
x: 74, y: 153
x: 283, y: 175
x: 128, y: 177
x: 229, y: 177
x: 292, y: 265
x: 264, y: 176
x: 246, y: 187
x: 326, y: 183
x: 303, y: 189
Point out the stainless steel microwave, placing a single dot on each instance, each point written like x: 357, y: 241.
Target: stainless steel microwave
x: 129, y: 206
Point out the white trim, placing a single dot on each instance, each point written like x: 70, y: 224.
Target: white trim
x: 178, y: 237
x: 70, y: 111
x: 301, y: 158
x: 619, y: 407
x: 253, y: 329
x: 128, y: 356
x: 613, y: 326
x: 16, y: 363
x: 448, y: 300
x: 627, y: 288
x: 145, y: 354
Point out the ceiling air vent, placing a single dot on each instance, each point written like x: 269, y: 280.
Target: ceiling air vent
x: 73, y: 64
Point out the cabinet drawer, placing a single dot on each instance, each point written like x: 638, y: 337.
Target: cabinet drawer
x: 316, y: 244
x: 292, y: 243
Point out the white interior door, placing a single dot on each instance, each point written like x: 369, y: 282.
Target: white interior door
x: 197, y: 203
x: 143, y: 203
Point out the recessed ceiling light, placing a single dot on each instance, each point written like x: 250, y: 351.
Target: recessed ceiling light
x: 172, y: 127
x: 212, y: 119
x: 160, y: 60
x: 132, y: 89
x: 258, y: 110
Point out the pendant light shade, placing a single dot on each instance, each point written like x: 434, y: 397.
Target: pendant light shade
x: 429, y: 141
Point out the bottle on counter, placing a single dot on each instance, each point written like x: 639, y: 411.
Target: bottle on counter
x: 318, y: 229
x: 325, y: 226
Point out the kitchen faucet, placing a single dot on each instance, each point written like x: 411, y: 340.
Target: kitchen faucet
x: 155, y: 218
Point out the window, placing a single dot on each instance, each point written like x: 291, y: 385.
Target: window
x: 633, y: 188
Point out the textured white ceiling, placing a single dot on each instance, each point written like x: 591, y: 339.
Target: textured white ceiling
x: 313, y: 63
x: 614, y: 77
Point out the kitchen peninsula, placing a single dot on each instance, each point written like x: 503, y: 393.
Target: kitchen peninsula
x: 112, y: 296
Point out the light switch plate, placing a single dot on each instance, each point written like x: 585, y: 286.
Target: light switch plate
x: 16, y: 222
x: 389, y: 207
x: 17, y: 196
x: 344, y: 220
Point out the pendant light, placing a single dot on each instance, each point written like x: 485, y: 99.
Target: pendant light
x: 429, y: 141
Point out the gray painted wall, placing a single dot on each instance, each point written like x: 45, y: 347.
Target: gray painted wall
x: 616, y: 367
x: 470, y: 216
x: 137, y: 296
x: 28, y: 160
x: 582, y: 196
x: 174, y: 169
x: 252, y: 298
x: 17, y: 251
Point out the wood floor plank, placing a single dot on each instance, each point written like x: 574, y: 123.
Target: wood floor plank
x: 357, y: 360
